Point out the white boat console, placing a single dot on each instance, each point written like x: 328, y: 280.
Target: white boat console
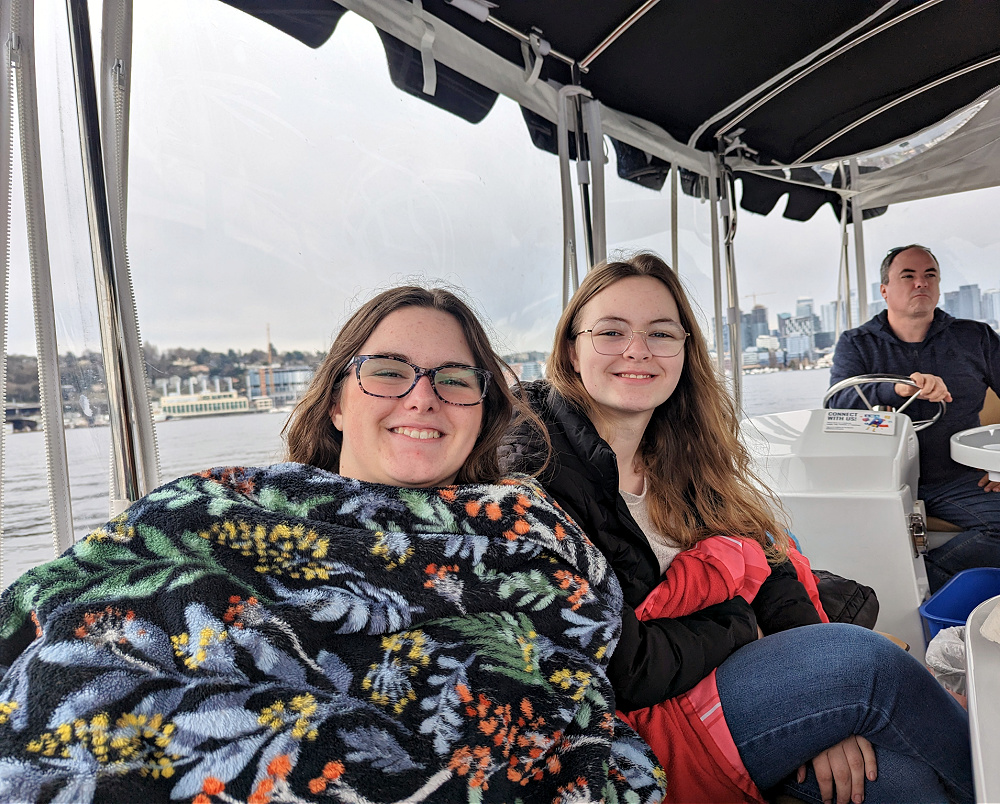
x: 848, y: 481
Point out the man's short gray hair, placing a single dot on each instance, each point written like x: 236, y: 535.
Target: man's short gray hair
x: 892, y: 254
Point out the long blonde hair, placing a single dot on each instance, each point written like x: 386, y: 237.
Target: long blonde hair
x: 310, y: 434
x: 698, y: 477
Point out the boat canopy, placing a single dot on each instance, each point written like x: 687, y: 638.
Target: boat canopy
x: 784, y: 90
x: 858, y: 103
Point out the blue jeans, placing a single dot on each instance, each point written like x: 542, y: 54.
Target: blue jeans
x: 977, y: 512
x: 792, y: 695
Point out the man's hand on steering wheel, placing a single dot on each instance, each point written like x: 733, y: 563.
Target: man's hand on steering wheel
x: 931, y: 387
x: 904, y: 386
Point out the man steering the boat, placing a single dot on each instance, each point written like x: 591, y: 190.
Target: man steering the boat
x: 950, y: 359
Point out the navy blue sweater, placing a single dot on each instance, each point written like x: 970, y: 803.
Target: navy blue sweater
x: 964, y: 353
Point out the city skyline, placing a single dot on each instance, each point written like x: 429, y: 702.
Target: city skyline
x: 808, y: 334
x: 255, y: 200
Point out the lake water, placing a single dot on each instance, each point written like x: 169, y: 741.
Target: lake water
x: 190, y: 445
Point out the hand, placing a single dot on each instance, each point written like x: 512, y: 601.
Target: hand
x: 988, y: 485
x: 845, y: 767
x: 931, y: 387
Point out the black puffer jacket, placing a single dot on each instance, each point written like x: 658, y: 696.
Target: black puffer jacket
x: 657, y: 659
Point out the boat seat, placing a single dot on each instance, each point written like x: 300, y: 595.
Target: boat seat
x: 990, y: 414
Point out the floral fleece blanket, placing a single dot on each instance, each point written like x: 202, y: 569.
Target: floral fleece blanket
x: 288, y: 635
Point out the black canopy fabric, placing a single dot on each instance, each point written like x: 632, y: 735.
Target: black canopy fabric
x: 700, y: 70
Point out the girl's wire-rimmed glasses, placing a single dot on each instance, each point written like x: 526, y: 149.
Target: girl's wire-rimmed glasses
x: 394, y: 378
x: 612, y: 336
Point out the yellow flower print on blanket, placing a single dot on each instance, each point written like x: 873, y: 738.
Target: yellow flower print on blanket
x: 285, y: 634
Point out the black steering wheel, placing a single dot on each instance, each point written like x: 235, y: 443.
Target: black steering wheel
x: 865, y: 379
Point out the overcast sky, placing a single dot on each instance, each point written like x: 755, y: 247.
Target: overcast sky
x: 273, y: 184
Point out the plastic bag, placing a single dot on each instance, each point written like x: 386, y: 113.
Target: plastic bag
x: 991, y: 625
x: 946, y: 658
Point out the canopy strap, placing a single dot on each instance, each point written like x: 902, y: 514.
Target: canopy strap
x: 533, y: 52
x: 426, y: 49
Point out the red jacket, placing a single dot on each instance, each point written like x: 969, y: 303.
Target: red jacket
x: 689, y: 733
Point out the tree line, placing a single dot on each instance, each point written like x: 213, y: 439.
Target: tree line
x: 84, y: 373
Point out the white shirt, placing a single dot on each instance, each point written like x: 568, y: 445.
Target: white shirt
x: 664, y: 547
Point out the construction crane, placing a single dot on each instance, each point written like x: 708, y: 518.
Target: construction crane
x: 755, y: 295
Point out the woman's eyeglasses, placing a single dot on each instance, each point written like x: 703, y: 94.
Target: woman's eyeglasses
x: 392, y: 378
x: 613, y: 336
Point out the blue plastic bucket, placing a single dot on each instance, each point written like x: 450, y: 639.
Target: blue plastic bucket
x: 953, y: 603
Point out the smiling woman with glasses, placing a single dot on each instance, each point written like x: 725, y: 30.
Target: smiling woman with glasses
x: 343, y: 626
x: 613, y: 336
x: 394, y: 378
x: 726, y: 665
x: 386, y: 372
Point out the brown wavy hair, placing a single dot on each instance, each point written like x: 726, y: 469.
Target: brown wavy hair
x: 698, y: 477
x: 310, y: 435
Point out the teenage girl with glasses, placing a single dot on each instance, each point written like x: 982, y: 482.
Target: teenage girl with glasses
x: 646, y: 459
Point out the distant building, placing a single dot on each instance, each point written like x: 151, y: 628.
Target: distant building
x: 801, y: 327
x: 803, y: 306
x: 952, y: 302
x: 798, y: 347
x: 526, y: 366
x: 990, y: 304
x: 284, y: 385
x: 783, y: 319
x: 823, y: 340
x: 753, y: 357
x: 969, y: 305
x: 758, y: 322
x: 528, y: 371
x: 828, y: 317
x: 828, y: 313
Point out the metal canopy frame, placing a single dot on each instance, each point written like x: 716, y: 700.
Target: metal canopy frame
x: 580, y: 118
x: 134, y: 472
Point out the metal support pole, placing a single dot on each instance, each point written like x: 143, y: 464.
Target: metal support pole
x: 8, y: 44
x: 121, y: 402
x: 844, y: 267
x: 857, y: 216
x: 583, y: 175
x: 595, y: 142
x: 674, y: 245
x: 571, y: 279
x: 115, y: 73
x: 713, y: 200
x: 46, y: 344
x: 733, y: 313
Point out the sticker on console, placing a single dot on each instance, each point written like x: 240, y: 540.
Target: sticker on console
x: 859, y: 421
